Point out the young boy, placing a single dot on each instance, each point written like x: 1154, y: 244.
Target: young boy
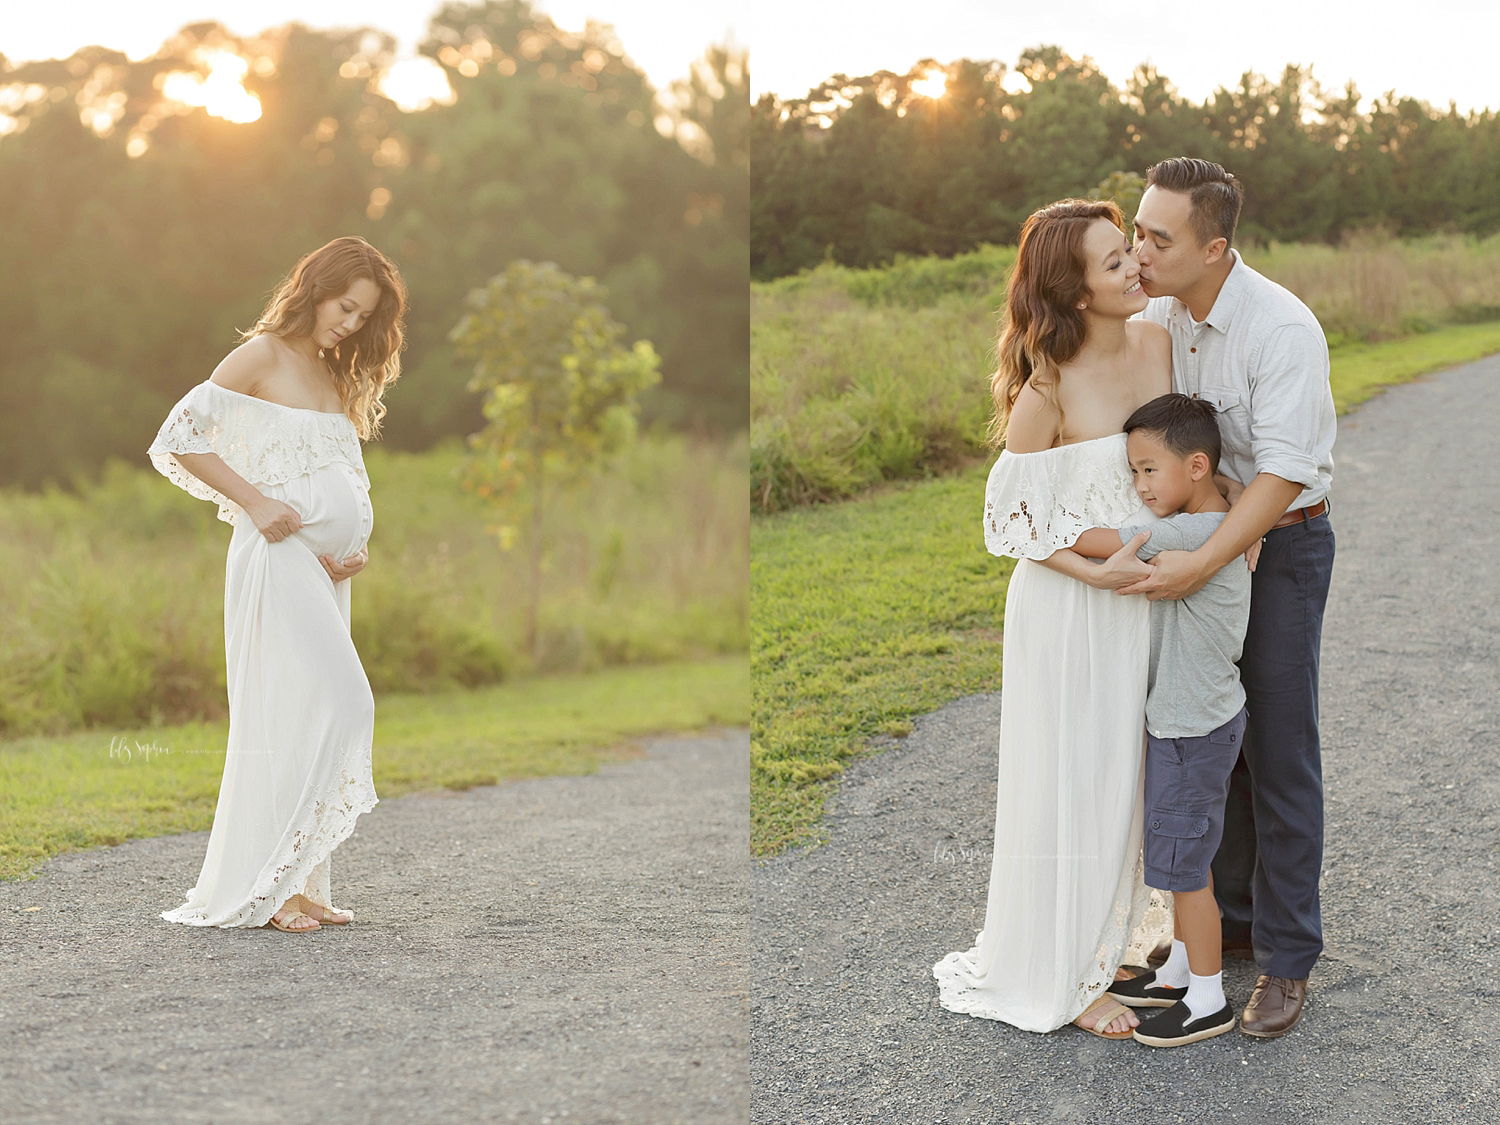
x: 1195, y: 713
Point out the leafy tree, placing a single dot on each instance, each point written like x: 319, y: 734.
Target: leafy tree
x: 863, y: 169
x: 145, y: 231
x: 560, y: 395
x: 1124, y: 188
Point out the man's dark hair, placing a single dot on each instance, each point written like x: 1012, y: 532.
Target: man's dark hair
x: 1215, y: 193
x: 1185, y: 426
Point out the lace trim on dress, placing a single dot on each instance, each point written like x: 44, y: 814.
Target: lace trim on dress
x: 1122, y: 932
x: 329, y: 824
x: 265, y: 442
x: 1116, y: 939
x: 1038, y: 503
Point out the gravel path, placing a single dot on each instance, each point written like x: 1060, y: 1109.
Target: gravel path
x: 563, y: 950
x: 1402, y: 1018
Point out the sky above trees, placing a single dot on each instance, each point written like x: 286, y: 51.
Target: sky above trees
x: 1436, y: 51
x: 663, y: 36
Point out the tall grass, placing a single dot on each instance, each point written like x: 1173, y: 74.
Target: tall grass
x: 1377, y: 288
x: 111, y: 593
x: 860, y: 376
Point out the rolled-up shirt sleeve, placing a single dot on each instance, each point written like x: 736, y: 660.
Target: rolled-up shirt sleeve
x: 1288, y: 431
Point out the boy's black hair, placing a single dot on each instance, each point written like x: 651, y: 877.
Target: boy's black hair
x: 1185, y: 426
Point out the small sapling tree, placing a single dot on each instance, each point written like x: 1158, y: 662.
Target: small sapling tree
x: 561, y: 396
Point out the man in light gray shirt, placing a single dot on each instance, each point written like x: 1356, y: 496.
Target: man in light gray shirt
x: 1258, y: 354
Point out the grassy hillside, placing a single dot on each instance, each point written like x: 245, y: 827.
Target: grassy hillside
x: 863, y: 376
x: 869, y: 612
x: 111, y: 595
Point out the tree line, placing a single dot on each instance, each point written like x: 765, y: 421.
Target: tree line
x: 863, y: 169
x: 139, y: 232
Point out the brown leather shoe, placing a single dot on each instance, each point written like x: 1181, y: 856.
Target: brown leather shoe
x: 1274, y: 1008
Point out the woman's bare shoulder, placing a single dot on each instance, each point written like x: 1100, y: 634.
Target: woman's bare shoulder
x: 246, y: 368
x: 1150, y: 336
x: 1034, y: 422
x: 1155, y: 346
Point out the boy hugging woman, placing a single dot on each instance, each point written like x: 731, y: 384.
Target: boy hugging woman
x: 1195, y: 713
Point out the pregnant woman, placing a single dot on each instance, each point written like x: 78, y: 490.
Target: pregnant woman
x: 1066, y: 885
x: 273, y: 438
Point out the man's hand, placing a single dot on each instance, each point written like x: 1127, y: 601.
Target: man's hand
x: 1181, y: 573
x: 351, y: 566
x: 1175, y: 574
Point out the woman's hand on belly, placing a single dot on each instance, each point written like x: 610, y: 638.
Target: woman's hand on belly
x: 273, y: 519
x: 351, y: 566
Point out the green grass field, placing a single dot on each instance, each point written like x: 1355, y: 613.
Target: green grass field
x: 1361, y: 371
x: 112, y: 593
x: 868, y: 612
x: 861, y: 376
x: 864, y: 614
x: 102, y: 786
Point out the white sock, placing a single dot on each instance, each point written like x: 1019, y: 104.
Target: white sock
x: 1174, y: 970
x: 1205, y: 995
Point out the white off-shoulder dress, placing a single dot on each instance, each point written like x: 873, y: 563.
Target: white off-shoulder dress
x: 297, y: 770
x: 1066, y: 887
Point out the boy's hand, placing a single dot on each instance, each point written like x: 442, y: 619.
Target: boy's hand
x: 1229, y: 488
x: 1123, y: 568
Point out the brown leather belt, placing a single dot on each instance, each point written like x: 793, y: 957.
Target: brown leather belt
x: 1301, y: 515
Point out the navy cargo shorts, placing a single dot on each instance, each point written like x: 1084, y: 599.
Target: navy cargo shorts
x: 1187, y: 782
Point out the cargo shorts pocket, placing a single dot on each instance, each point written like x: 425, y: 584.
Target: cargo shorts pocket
x: 1231, y: 733
x: 1175, y: 850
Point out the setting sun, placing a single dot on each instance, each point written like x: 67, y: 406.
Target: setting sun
x: 416, y: 83
x: 221, y: 93
x: 933, y: 84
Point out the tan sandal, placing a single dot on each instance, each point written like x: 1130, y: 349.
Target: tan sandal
x: 324, y: 915
x: 286, y: 926
x: 1108, y: 1009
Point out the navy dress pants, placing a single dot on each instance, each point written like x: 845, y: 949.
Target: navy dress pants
x: 1267, y: 866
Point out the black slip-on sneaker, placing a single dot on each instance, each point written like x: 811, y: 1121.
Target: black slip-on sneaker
x: 1144, y: 992
x: 1176, y: 1027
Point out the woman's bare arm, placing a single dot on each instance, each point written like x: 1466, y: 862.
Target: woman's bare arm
x: 242, y: 371
x: 1122, y: 568
x: 272, y: 518
x: 1034, y: 423
x: 1097, y: 543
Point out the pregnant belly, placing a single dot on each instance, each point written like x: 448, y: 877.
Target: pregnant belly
x: 335, y: 508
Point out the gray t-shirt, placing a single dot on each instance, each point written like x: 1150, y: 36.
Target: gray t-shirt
x: 1194, y: 687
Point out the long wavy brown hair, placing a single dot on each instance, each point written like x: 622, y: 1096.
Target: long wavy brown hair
x: 1043, y: 326
x: 368, y: 360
